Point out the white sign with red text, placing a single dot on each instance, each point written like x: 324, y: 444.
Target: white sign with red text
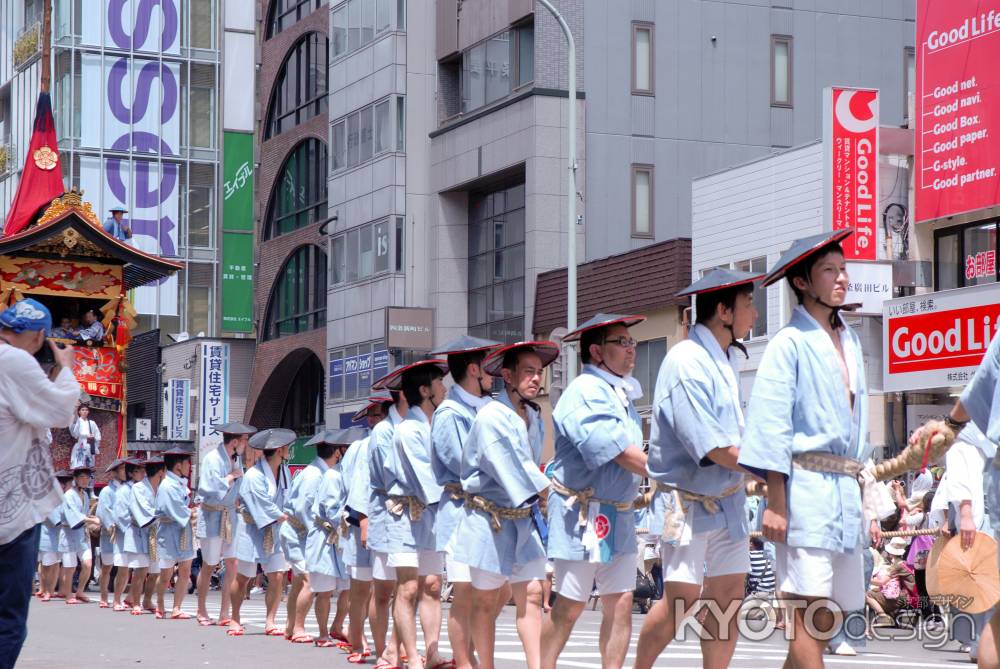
x: 937, y: 340
x: 850, y: 167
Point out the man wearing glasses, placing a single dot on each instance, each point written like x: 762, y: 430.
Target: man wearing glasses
x: 596, y: 469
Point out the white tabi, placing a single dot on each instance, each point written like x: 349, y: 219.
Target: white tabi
x: 800, y: 405
x: 218, y: 498
x: 594, y: 423
x: 262, y: 498
x: 174, y: 536
x: 106, y: 514
x: 500, y: 464
x: 696, y: 409
x: 298, y: 506
x: 322, y: 556
x: 357, y: 480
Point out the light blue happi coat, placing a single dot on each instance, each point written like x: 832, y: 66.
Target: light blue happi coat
x: 123, y: 515
x: 48, y: 539
x: 594, y: 422
x: 174, y: 514
x: 106, y: 514
x: 75, y: 509
x: 142, y: 507
x: 799, y: 405
x: 262, y: 497
x: 298, y: 504
x: 500, y: 463
x: 981, y: 400
x: 357, y: 480
x: 381, y: 479
x: 696, y: 409
x: 331, y: 496
x: 449, y: 430
x: 410, y: 466
x: 213, y: 489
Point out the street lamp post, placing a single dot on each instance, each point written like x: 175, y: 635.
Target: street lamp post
x: 569, y: 353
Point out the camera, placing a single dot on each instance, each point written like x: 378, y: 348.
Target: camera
x: 44, y: 355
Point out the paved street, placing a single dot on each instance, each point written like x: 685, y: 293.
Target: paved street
x: 64, y: 636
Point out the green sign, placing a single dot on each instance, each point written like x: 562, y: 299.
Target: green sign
x: 237, y: 282
x: 237, y: 175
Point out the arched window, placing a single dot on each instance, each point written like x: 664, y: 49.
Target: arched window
x: 300, y: 89
x: 298, y: 298
x: 303, y: 409
x: 286, y: 13
x: 299, y: 196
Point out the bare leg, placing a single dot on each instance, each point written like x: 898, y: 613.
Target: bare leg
x: 228, y: 579
x: 360, y: 593
x: 323, y: 613
x: 378, y: 617
x: 236, y: 594
x: 272, y: 598
x: 557, y: 628
x: 546, y: 592
x: 660, y: 625
x: 121, y: 578
x: 989, y: 644
x: 138, y: 585
x: 204, y: 583
x: 483, y: 624
x: 726, y: 591
x: 616, y: 629
x: 459, y: 623
x: 180, y: 588
x: 343, y: 606
x: 66, y: 581
x: 105, y: 580
x: 161, y: 588
x: 528, y: 600
x: 805, y: 652
x: 291, y: 606
x: 404, y: 613
x: 430, y: 616
x: 303, y: 601
x: 149, y: 589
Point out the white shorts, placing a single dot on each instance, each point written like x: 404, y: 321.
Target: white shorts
x: 168, y: 563
x: 361, y: 574
x: 488, y: 580
x: 322, y: 583
x: 815, y: 572
x: 427, y: 563
x: 574, y: 579
x: 457, y: 572
x: 298, y: 567
x: 136, y: 560
x: 214, y: 551
x: 119, y: 560
x: 343, y: 584
x: 710, y: 554
x: 381, y: 571
x: 50, y: 558
x: 71, y: 560
x: 275, y: 563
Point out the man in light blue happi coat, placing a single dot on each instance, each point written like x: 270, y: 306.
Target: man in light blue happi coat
x: 141, y: 545
x: 413, y: 500
x: 175, y: 534
x: 74, y: 541
x: 807, y: 435
x: 325, y: 515
x: 500, y: 536
x: 49, y: 554
x: 693, y: 448
x: 110, y: 557
x: 134, y: 472
x: 218, y: 490
x: 262, y: 493
x: 595, y: 474
x: 449, y: 430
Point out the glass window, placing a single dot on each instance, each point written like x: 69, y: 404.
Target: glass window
x: 299, y: 197
x: 642, y: 58
x: 525, y: 54
x: 352, y: 255
x: 202, y: 24
x: 642, y: 201
x: 781, y: 71
x: 200, y: 204
x: 649, y: 356
x: 303, y: 408
x: 353, y: 369
x: 399, y: 243
x: 909, y: 79
x: 286, y: 13
x: 338, y: 155
x: 300, y: 89
x: 946, y: 262
x: 365, y: 251
x: 298, y: 298
x: 366, y: 261
x: 353, y: 138
x: 339, y: 36
x: 201, y: 130
x: 366, y: 134
x: 473, y: 78
x: 400, y: 123
x: 980, y: 248
x: 497, y: 67
x: 383, y: 127
x: 338, y: 261
x: 353, y: 25
x: 383, y: 16
x: 382, y: 247
x: 758, y: 265
x: 367, y: 21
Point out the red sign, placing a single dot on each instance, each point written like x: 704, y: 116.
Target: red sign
x: 851, y: 167
x: 981, y: 264
x: 941, y: 339
x: 957, y: 107
x: 98, y: 370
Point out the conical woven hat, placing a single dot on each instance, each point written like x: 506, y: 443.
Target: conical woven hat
x: 970, y: 577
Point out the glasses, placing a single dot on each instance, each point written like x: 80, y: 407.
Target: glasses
x: 623, y: 341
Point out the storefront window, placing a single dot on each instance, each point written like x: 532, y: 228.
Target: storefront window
x: 965, y: 256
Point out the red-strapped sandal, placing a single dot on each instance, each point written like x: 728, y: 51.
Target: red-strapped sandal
x: 274, y: 631
x: 324, y: 642
x: 224, y: 622
x: 385, y: 664
x: 46, y: 597
x: 158, y: 614
x: 442, y: 664
x: 74, y: 600
x: 357, y: 658
x: 120, y: 607
x: 103, y: 605
x: 205, y: 622
x: 239, y: 630
x: 180, y: 615
x: 302, y: 638
x: 137, y: 611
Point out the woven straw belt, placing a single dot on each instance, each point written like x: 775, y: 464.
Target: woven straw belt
x: 226, y: 527
x: 297, y: 525
x: 497, y: 513
x: 827, y: 463
x: 396, y: 503
x: 185, y: 532
x: 584, y: 498
x: 329, y: 528
x: 268, y: 531
x: 455, y: 491
x: 152, y: 545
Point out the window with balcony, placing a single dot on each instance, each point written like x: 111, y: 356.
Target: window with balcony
x: 298, y: 298
x: 299, y: 197
x: 300, y: 89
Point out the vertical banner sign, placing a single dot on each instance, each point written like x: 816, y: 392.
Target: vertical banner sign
x: 850, y: 167
x: 131, y: 105
x: 237, y: 236
x: 179, y: 398
x: 957, y: 107
x: 214, y: 391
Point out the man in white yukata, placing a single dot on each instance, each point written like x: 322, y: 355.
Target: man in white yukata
x: 500, y: 536
x: 48, y: 543
x: 806, y: 433
x: 257, y: 529
x: 595, y: 474
x: 324, y: 518
x: 141, y: 544
x: 125, y: 536
x: 449, y: 430
x: 175, y: 532
x: 75, y: 538
x: 413, y: 499
x: 383, y: 576
x: 110, y: 557
x: 218, y: 489
x: 355, y: 554
x: 693, y: 447
x: 980, y: 405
